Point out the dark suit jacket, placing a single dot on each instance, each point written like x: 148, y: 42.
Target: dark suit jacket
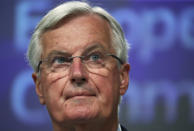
x: 123, y: 128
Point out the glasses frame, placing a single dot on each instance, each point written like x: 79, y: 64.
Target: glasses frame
x: 81, y: 57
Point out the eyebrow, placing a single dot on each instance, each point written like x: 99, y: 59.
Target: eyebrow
x: 93, y: 47
x: 57, y: 52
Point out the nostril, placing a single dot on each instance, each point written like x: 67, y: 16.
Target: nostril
x: 78, y: 80
x: 72, y: 80
x: 83, y: 79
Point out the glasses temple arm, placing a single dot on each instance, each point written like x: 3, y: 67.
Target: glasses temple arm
x: 114, y: 56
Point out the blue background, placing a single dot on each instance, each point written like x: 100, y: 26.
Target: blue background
x: 161, y: 92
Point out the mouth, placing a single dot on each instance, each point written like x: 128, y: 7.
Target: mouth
x: 80, y: 95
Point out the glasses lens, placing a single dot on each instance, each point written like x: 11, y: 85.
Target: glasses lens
x: 97, y: 63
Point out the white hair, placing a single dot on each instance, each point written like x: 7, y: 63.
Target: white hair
x: 54, y: 16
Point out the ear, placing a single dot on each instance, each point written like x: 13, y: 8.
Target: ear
x: 124, y: 78
x: 39, y: 89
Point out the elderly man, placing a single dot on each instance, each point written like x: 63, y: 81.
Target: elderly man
x: 79, y: 57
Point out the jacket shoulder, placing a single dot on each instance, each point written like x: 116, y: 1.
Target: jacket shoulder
x: 123, y: 128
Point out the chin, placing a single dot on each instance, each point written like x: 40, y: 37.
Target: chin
x: 82, y: 112
x: 82, y: 116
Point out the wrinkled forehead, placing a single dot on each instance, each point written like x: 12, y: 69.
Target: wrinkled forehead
x: 78, y: 32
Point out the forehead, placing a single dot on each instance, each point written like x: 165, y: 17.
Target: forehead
x: 77, y: 33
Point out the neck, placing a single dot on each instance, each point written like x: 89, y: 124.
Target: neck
x: 103, y: 125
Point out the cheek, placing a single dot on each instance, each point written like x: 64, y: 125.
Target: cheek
x: 108, y: 87
x: 52, y: 80
x: 53, y: 93
x: 53, y: 89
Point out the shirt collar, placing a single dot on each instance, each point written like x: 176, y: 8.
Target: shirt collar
x: 119, y: 127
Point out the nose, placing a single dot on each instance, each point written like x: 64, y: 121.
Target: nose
x: 78, y: 74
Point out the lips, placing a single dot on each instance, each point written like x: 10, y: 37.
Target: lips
x: 79, y: 94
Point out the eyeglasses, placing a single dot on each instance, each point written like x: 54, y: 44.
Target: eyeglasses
x: 93, y: 62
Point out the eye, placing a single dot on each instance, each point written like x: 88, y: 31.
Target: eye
x: 95, y: 57
x: 60, y: 60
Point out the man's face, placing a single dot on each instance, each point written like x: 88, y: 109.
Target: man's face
x: 80, y: 94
